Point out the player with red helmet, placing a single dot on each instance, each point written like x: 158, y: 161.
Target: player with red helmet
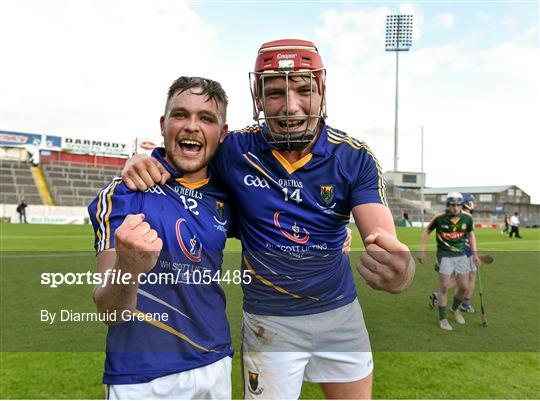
x: 300, y: 63
x: 294, y: 181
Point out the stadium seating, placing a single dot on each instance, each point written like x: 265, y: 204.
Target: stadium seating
x: 406, y: 201
x: 16, y: 182
x: 76, y: 184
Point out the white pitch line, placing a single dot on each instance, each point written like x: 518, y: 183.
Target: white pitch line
x: 4, y: 237
x: 38, y: 254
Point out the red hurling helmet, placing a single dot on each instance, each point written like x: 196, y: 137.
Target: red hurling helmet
x: 288, y: 58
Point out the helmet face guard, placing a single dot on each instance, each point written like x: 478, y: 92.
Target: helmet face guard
x: 454, y: 198
x: 290, y: 60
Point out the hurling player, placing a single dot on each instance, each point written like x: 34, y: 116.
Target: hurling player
x: 294, y: 181
x: 468, y: 207
x: 452, y: 228
x: 170, y: 338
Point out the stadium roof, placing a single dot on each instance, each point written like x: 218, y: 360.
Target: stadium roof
x: 468, y: 190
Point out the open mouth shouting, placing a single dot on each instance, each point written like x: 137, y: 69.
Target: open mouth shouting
x: 190, y: 147
x: 291, y: 124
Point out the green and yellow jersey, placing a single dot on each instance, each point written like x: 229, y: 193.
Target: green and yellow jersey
x: 451, y: 232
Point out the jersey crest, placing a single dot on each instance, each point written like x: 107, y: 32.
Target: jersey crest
x: 254, y: 383
x: 327, y: 194
x: 220, y: 210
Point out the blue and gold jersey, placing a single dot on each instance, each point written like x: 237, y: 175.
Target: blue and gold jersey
x: 193, y: 221
x: 292, y: 217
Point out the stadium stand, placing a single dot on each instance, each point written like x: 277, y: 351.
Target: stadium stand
x: 76, y: 184
x: 406, y: 202
x: 16, y: 182
x: 491, y: 203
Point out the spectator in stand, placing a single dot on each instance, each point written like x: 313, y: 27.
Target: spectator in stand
x: 21, y: 209
x: 514, y: 225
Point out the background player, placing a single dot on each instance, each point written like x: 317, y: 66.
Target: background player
x: 182, y: 225
x: 451, y: 228
x: 305, y: 178
x: 468, y: 207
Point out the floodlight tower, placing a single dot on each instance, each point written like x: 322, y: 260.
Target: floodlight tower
x: 399, y: 28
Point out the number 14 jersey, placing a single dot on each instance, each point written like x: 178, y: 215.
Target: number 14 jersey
x: 292, y: 217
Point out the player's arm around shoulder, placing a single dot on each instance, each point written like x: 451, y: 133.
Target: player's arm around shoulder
x: 142, y: 172
x: 387, y: 263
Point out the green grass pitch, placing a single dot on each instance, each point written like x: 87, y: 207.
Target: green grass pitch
x: 413, y: 358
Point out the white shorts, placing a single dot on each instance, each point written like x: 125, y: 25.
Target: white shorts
x: 328, y: 347
x: 473, y: 266
x: 454, y: 265
x: 207, y: 382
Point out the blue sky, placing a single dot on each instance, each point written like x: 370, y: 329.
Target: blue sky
x: 480, y: 24
x: 95, y: 68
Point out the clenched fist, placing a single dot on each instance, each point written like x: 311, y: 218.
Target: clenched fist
x: 137, y: 245
x: 386, y: 264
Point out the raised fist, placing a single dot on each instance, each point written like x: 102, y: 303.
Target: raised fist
x: 386, y: 264
x: 137, y: 245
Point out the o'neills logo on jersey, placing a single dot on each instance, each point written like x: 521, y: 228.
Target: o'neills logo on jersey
x: 295, y: 236
x: 192, y: 250
x: 453, y: 235
x: 287, y: 56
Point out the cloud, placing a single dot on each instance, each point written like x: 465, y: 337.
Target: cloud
x: 101, y: 69
x: 482, y: 101
x: 353, y: 34
x: 445, y: 20
x: 100, y: 63
x: 418, y: 19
